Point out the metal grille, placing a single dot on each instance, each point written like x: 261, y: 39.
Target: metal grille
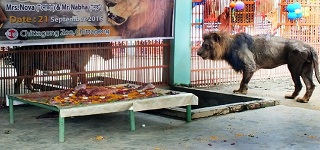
x: 53, y: 67
x: 245, y: 16
x: 305, y: 29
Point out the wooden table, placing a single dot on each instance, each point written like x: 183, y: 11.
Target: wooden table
x: 39, y: 99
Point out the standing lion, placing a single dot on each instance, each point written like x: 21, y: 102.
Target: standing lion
x: 247, y: 54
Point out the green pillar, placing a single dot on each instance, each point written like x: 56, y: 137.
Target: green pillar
x: 180, y: 64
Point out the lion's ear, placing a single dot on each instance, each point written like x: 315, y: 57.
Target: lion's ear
x: 206, y: 36
x: 216, y: 37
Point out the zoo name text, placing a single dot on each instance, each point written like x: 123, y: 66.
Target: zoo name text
x: 63, y: 32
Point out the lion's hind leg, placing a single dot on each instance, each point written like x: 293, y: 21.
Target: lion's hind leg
x: 295, y: 75
x: 28, y: 80
x: 307, y: 79
x: 17, y: 85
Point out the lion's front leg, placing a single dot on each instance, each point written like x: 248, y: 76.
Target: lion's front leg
x: 242, y: 90
x: 246, y: 77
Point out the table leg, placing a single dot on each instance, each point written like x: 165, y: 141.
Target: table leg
x: 11, y: 113
x: 188, y: 109
x: 132, y: 121
x: 61, y: 129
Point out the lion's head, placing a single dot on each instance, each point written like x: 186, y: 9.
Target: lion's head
x: 140, y: 18
x: 213, y: 46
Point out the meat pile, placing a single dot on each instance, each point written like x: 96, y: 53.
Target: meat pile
x: 82, y: 90
x: 95, y: 91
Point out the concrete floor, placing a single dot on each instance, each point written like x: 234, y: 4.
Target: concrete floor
x: 278, y: 127
x: 285, y: 126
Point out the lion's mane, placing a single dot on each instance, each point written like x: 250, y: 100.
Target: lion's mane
x: 226, y: 47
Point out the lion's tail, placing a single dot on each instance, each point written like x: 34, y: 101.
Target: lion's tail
x: 315, y: 64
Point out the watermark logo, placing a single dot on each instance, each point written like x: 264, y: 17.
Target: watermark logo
x: 12, y: 34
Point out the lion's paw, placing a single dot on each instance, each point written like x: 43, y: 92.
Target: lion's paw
x: 301, y: 100
x: 289, y: 96
x: 240, y: 92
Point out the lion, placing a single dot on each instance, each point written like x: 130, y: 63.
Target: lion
x: 54, y: 58
x: 247, y: 54
x: 141, y: 18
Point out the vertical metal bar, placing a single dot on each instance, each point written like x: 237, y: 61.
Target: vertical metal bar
x: 155, y: 73
x: 61, y: 128
x: 188, y: 111
x: 11, y: 112
x: 147, y: 62
x: 128, y: 59
x: 132, y: 120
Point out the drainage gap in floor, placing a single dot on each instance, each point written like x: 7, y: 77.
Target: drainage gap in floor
x: 212, y: 103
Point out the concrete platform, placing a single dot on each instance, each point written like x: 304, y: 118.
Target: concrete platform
x: 278, y: 127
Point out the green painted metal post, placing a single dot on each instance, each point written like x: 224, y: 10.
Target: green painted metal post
x: 11, y: 113
x: 61, y: 129
x: 180, y: 65
x: 188, y: 109
x: 132, y: 121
